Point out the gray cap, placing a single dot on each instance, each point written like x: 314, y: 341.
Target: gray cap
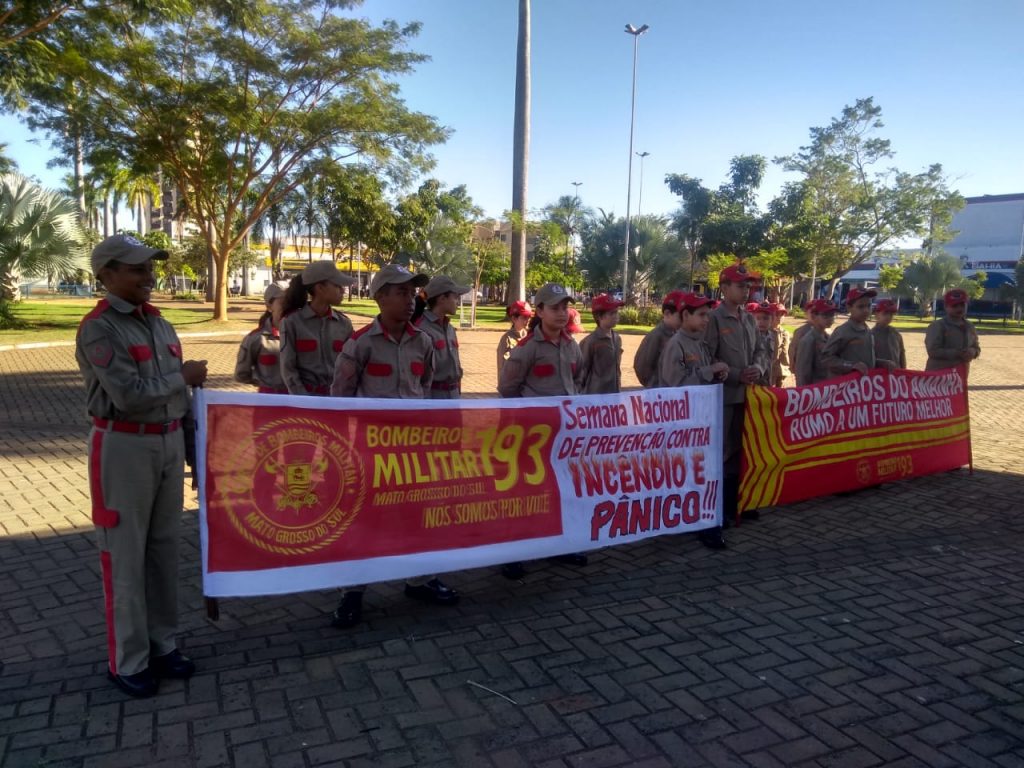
x: 395, y: 274
x: 123, y: 248
x: 443, y: 284
x: 325, y: 271
x: 274, y: 290
x: 550, y: 293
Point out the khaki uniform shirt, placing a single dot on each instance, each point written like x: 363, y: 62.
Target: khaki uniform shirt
x: 509, y: 341
x: 848, y: 345
x: 810, y: 364
x: 794, y: 344
x: 130, y: 358
x: 541, y: 367
x: 735, y: 341
x: 889, y: 345
x: 645, y: 363
x: 447, y: 383
x: 945, y: 340
x: 375, y: 364
x: 309, y: 346
x: 259, y: 359
x: 686, y: 360
x: 600, y: 372
x: 770, y: 342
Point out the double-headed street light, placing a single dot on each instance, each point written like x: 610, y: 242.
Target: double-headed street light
x: 635, y: 32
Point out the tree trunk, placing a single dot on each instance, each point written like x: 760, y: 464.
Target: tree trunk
x: 106, y: 215
x: 219, y: 288
x: 521, y: 154
x: 80, y: 179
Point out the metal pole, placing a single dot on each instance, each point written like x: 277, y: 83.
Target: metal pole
x: 630, y: 29
x: 640, y: 197
x: 575, y: 213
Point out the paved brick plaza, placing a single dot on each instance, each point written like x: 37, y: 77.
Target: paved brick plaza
x: 884, y: 628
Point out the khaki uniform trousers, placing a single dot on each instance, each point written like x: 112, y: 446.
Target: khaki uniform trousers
x: 137, y: 488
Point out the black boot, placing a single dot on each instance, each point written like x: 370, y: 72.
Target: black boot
x: 349, y: 611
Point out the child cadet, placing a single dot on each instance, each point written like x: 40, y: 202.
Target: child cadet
x: 810, y: 364
x: 544, y: 364
x: 952, y: 339
x: 798, y: 335
x: 763, y: 313
x: 851, y: 346
x: 137, y: 395
x: 600, y: 372
x: 520, y: 313
x: 733, y: 338
x: 780, y: 363
x: 259, y: 354
x: 888, y: 341
x: 686, y: 359
x: 312, y: 331
x: 648, y: 355
x: 442, y: 296
x: 389, y: 358
x: 574, y: 325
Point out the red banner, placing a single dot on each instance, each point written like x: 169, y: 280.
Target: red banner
x: 852, y: 432
x: 304, y: 493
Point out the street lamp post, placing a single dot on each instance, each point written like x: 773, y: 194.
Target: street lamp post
x: 640, y: 197
x: 635, y: 32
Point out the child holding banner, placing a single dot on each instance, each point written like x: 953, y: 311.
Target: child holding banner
x: 442, y: 295
x: 952, y: 340
x: 648, y: 355
x: 686, y: 359
x: 544, y: 364
x: 312, y: 331
x: 810, y: 364
x: 258, y: 356
x: 601, y: 371
x: 888, y: 341
x: 389, y: 358
x: 520, y: 313
x: 733, y: 339
x: 851, y: 347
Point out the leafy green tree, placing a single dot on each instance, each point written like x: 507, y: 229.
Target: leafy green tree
x: 355, y: 212
x: 233, y: 98
x: 569, y: 215
x: 602, y: 243
x: 546, y: 266
x: 974, y: 285
x: 925, y: 279
x: 7, y: 164
x: 40, y: 234
x: 492, y: 262
x: 434, y: 225
x: 889, y: 276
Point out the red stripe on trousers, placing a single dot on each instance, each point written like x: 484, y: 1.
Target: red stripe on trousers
x: 101, y: 516
x: 108, y: 606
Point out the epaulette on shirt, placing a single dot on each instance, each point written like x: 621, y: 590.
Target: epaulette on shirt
x: 101, y: 306
x: 361, y: 331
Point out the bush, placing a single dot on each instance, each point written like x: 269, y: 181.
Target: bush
x: 629, y: 316
x: 8, y: 322
x: 650, y: 315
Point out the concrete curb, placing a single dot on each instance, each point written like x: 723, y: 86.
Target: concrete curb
x: 47, y: 344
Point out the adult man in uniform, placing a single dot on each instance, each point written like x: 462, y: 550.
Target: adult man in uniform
x: 137, y: 395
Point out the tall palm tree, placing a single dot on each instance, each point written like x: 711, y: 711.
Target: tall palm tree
x: 40, y: 234
x: 140, y: 191
x: 7, y: 163
x: 521, y: 154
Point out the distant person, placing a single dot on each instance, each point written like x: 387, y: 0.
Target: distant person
x: 442, y: 302
x: 780, y: 364
x: 851, y: 347
x: 574, y: 325
x: 763, y: 313
x: 888, y: 341
x: 519, y: 312
x: 798, y: 335
x: 646, y: 362
x: 952, y: 340
x: 810, y: 362
x: 601, y: 372
x: 137, y: 393
x: 686, y: 358
x: 259, y: 354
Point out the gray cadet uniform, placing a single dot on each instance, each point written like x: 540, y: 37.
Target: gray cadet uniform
x: 771, y: 342
x: 889, y: 346
x: 447, y: 382
x: 945, y: 340
x: 374, y: 364
x: 848, y: 345
x: 600, y: 369
x: 130, y: 358
x: 645, y: 363
x: 509, y: 341
x: 794, y: 345
x: 310, y: 344
x: 735, y: 341
x: 810, y: 364
x: 781, y: 358
x: 259, y: 360
x: 541, y: 367
x: 685, y: 361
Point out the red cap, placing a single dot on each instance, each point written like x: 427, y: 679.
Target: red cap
x: 860, y: 293
x: 520, y: 309
x: 573, y: 326
x: 763, y: 308
x: 885, y: 305
x: 821, y: 307
x: 674, y: 300
x: 751, y: 306
x: 605, y: 303
x: 778, y: 308
x: 954, y: 297
x: 738, y: 273
x: 695, y: 301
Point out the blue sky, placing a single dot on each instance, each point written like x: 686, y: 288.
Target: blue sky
x: 715, y: 78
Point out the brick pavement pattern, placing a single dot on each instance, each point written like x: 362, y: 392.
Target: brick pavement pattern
x: 882, y: 628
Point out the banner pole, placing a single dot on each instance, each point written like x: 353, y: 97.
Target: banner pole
x: 967, y: 408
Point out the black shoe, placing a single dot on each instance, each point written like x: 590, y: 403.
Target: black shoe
x: 174, y: 664
x: 712, y: 538
x: 727, y: 521
x: 513, y: 571
x: 751, y: 514
x: 349, y: 611
x: 141, y: 685
x: 576, y: 558
x: 434, y: 591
